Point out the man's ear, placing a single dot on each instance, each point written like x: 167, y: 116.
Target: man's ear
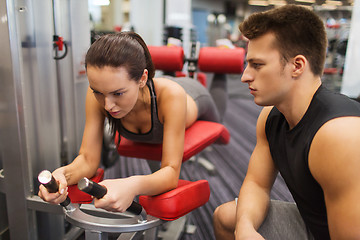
x: 143, y: 78
x: 299, y: 62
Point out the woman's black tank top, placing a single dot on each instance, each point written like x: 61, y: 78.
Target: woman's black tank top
x: 155, y: 134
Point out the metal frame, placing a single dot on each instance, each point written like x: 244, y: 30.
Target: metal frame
x: 12, y: 132
x: 32, y: 127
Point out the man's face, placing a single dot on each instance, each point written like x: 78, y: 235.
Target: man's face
x: 268, y: 77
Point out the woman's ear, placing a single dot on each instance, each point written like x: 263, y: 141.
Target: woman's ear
x: 299, y: 63
x: 143, y: 78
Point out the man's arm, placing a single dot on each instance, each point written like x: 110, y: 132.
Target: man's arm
x: 254, y: 194
x: 334, y: 161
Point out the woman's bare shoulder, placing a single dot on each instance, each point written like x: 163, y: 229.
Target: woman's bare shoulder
x: 167, y: 87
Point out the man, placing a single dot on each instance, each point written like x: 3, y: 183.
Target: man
x: 305, y: 132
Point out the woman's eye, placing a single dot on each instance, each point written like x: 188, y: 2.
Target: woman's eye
x: 118, y: 94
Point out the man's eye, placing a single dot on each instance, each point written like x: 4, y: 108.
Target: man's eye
x: 96, y: 92
x: 256, y: 65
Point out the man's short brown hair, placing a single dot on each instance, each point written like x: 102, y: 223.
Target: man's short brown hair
x: 298, y: 31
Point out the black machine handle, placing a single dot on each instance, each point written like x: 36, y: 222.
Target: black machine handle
x: 46, y: 178
x: 98, y: 191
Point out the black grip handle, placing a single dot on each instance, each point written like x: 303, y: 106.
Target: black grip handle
x: 46, y: 178
x: 98, y: 191
x: 135, y: 208
x: 90, y: 187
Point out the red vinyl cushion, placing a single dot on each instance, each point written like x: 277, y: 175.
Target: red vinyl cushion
x: 221, y: 60
x: 77, y: 196
x: 197, y: 137
x: 201, y: 77
x: 330, y: 71
x: 177, y: 202
x: 167, y: 58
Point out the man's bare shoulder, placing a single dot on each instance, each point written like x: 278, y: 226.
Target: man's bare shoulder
x: 335, y: 149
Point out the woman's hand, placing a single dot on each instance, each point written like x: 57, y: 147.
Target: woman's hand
x: 61, y: 194
x: 120, y: 194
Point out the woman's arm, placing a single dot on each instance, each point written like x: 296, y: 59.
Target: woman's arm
x: 172, y: 113
x: 87, y: 162
x: 254, y: 194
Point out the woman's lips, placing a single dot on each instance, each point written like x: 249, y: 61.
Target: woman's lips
x: 114, y: 113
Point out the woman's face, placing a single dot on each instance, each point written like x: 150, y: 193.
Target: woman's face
x: 114, y: 90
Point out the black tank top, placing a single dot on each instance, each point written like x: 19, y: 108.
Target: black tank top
x: 155, y: 134
x: 290, y: 148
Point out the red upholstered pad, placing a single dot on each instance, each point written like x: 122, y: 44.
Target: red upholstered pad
x: 330, y: 71
x: 77, y: 196
x: 221, y: 60
x: 201, y: 77
x: 180, y: 74
x: 178, y: 202
x: 197, y: 137
x: 169, y: 59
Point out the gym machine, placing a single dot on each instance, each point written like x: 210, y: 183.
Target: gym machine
x: 135, y: 223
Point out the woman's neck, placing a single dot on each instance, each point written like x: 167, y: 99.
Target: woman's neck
x: 143, y: 102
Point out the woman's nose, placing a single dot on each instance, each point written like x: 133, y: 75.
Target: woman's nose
x: 108, y: 103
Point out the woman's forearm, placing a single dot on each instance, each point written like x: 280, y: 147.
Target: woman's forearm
x: 78, y: 169
x: 156, y: 183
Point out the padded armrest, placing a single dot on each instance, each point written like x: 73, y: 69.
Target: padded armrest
x: 77, y: 196
x: 201, y: 77
x: 197, y: 137
x: 221, y: 60
x: 177, y: 202
x: 168, y: 59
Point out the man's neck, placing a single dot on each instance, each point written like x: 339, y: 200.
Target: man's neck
x: 296, y: 105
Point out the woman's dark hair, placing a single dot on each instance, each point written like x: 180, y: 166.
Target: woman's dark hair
x: 125, y: 49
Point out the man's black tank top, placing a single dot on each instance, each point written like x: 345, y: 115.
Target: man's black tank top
x: 290, y: 148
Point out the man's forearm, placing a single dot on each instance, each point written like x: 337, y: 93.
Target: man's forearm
x: 252, y: 207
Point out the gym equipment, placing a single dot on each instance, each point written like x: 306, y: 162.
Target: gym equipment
x: 208, y: 59
x: 221, y: 60
x: 167, y: 59
x: 202, y: 133
x: 45, y: 177
x: 197, y: 137
x: 136, y: 222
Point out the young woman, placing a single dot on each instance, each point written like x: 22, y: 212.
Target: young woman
x: 141, y: 108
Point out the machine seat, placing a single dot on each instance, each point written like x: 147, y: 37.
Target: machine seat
x: 176, y: 203
x: 168, y: 206
x: 77, y: 196
x: 197, y: 137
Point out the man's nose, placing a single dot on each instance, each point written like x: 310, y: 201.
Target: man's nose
x: 246, y: 76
